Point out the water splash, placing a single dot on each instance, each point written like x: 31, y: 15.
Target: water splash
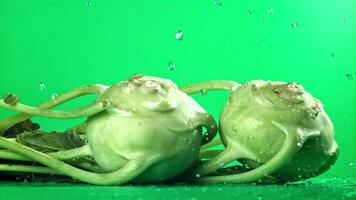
x: 270, y: 10
x: 171, y: 66
x: 54, y: 96
x: 349, y: 76
x: 42, y: 86
x: 218, y: 2
x: 179, y: 35
x: 294, y: 25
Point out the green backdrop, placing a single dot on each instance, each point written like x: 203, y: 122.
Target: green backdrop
x: 65, y: 44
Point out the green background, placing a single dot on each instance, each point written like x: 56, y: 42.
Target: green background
x: 65, y: 44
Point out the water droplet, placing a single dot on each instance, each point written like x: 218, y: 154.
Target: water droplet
x: 270, y: 10
x: 171, y: 66
x: 349, y: 76
x: 42, y: 86
x: 299, y: 144
x: 249, y: 12
x: 259, y: 198
x: 218, y: 2
x: 54, y: 96
x: 294, y: 25
x: 197, y: 175
x: 261, y: 152
x: 332, y: 55
x: 344, y: 21
x: 179, y: 35
x: 88, y: 3
x: 351, y: 164
x: 195, y: 132
x: 203, y: 92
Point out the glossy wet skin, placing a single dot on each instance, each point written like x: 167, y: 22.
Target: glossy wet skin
x: 249, y: 122
x: 148, y: 119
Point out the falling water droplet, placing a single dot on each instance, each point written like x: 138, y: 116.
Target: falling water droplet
x: 349, y: 76
x: 249, y: 12
x: 171, y: 66
x: 88, y: 3
x: 42, y: 86
x: 54, y: 96
x: 197, y: 175
x: 203, y: 92
x: 218, y: 2
x: 294, y: 25
x: 299, y: 144
x: 332, y: 55
x: 344, y: 21
x: 351, y: 164
x: 179, y: 35
x: 270, y: 10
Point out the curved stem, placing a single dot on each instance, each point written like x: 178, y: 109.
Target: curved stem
x: 81, y: 91
x: 66, y: 114
x: 209, y: 154
x: 27, y: 168
x: 213, y: 143
x: 286, y: 153
x: 60, y: 155
x: 210, y: 85
x: 132, y: 169
x: 212, y: 129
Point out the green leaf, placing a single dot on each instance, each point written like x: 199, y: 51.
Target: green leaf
x: 18, y: 128
x: 50, y: 142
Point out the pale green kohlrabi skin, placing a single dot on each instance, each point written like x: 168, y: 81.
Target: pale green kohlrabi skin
x: 148, y: 120
x: 257, y: 117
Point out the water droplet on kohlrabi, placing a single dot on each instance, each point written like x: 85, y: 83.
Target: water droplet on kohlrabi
x: 270, y: 10
x: 42, y: 86
x: 54, y: 96
x: 299, y: 144
x: 203, y: 92
x: 171, y: 66
x: 294, y: 25
x: 218, y: 2
x: 349, y: 76
x: 179, y: 35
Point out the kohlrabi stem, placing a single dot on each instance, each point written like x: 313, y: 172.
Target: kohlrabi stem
x: 66, y: 114
x: 286, y: 153
x: 212, y: 129
x: 28, y: 168
x: 128, y: 172
x: 60, y: 155
x: 210, y: 85
x: 81, y: 91
x: 213, y: 143
x: 209, y: 154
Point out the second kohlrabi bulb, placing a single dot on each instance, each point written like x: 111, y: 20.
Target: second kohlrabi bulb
x: 260, y: 115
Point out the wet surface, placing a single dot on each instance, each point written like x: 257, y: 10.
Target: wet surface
x: 332, y: 188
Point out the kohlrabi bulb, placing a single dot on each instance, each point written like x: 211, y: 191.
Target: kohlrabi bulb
x: 151, y: 121
x: 261, y: 115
